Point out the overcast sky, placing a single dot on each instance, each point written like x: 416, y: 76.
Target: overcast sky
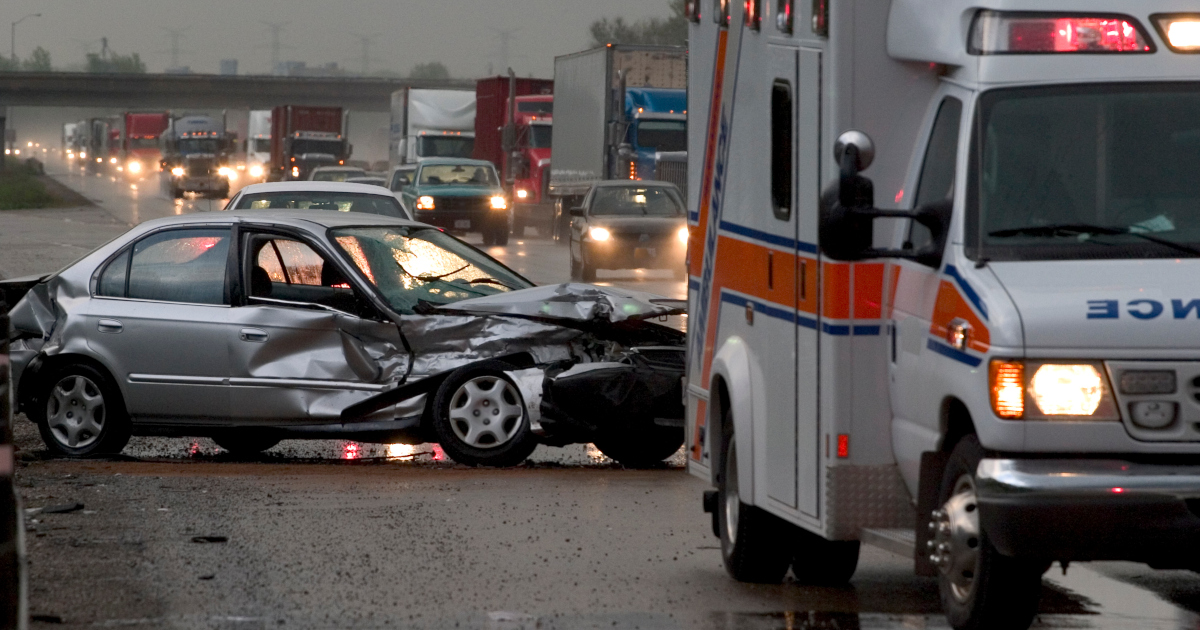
x: 463, y: 34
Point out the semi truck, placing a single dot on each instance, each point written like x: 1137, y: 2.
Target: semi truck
x: 198, y: 156
x: 140, y: 143
x: 618, y: 108
x: 258, y: 145
x: 517, y: 141
x: 943, y: 294
x: 307, y: 138
x: 431, y: 123
x: 101, y: 143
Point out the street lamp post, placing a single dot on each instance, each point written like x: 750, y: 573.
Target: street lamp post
x: 13, y: 40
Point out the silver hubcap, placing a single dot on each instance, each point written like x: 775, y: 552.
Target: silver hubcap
x: 75, y: 412
x: 954, y: 546
x: 732, y: 500
x: 486, y: 412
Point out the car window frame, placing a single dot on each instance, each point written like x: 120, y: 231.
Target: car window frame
x: 671, y: 190
x: 94, y: 284
x: 250, y: 231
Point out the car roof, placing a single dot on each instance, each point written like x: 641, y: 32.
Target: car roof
x: 338, y: 168
x: 454, y: 162
x: 304, y: 219
x: 306, y: 186
x: 404, y: 167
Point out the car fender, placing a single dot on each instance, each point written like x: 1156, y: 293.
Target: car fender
x: 732, y: 365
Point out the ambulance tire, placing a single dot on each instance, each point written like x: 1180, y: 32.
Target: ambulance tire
x: 1004, y: 592
x: 753, y: 542
x: 820, y: 562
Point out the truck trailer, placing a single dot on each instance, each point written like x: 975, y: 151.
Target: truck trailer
x: 944, y: 289
x: 307, y: 138
x: 141, y: 152
x: 517, y: 140
x: 258, y: 145
x: 619, y: 107
x: 431, y: 123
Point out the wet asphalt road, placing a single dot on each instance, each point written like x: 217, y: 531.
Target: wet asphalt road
x: 340, y: 535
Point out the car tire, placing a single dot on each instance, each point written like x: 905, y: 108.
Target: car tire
x: 486, y: 233
x: 80, y: 413
x: 980, y: 588
x: 753, y: 542
x: 644, y: 447
x: 467, y: 404
x: 246, y: 443
x: 500, y: 236
x: 820, y: 562
x: 576, y: 268
x: 587, y: 270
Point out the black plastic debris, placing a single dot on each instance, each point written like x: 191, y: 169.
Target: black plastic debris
x: 208, y: 540
x: 65, y: 508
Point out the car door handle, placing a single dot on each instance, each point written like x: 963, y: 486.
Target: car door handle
x: 254, y: 335
x: 109, y: 326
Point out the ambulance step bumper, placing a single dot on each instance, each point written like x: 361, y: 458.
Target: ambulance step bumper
x: 1068, y: 509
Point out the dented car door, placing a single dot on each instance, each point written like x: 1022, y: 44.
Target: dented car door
x: 301, y: 349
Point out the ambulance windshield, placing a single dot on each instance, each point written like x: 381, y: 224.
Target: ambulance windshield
x: 1090, y: 171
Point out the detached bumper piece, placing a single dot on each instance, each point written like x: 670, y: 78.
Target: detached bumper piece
x: 1092, y: 510
x: 590, y: 398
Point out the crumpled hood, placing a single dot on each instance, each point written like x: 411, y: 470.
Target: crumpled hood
x: 1098, y: 304
x: 573, y: 302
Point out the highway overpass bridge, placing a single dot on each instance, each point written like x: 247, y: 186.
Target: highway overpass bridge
x: 198, y: 91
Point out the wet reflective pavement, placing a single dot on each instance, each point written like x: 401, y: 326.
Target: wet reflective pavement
x: 337, y: 534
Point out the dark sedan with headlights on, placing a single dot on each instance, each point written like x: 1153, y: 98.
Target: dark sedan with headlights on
x: 629, y: 225
x: 461, y: 196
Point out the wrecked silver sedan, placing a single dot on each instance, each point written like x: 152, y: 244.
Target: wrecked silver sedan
x: 255, y: 327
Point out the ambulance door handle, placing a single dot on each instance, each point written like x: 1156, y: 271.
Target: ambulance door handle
x: 803, y: 280
x: 770, y: 271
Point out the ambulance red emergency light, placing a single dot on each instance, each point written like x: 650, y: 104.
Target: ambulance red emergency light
x: 944, y: 291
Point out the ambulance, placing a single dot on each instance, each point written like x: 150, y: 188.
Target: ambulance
x: 945, y: 288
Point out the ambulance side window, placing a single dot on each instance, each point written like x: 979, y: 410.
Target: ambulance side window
x: 937, y: 174
x: 782, y: 122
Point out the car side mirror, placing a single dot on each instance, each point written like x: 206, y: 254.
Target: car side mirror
x: 848, y: 212
x: 578, y: 212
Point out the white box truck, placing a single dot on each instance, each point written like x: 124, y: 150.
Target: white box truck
x: 945, y: 291
x: 432, y: 123
x: 258, y: 145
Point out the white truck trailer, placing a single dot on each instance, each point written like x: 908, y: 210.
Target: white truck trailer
x: 258, y: 145
x: 432, y: 123
x: 983, y: 348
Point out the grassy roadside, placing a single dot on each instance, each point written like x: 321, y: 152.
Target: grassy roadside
x: 23, y: 186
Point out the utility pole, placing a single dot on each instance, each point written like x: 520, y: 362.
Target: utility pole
x: 276, y: 42
x: 13, y: 40
x: 176, y: 35
x: 506, y: 36
x: 365, y: 60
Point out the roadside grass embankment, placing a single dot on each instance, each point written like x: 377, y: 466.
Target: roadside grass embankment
x: 24, y: 186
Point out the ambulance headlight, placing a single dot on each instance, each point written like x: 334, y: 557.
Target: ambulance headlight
x: 1180, y: 31
x: 1057, y: 391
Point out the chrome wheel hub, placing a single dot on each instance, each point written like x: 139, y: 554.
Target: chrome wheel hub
x: 486, y: 412
x: 733, y: 501
x: 955, y: 541
x: 75, y: 412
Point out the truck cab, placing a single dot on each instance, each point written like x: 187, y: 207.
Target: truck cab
x: 656, y: 120
x: 197, y: 157
x: 529, y: 167
x: 140, y: 150
x: 971, y: 221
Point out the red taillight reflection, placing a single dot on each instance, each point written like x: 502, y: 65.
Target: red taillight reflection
x: 1118, y: 490
x: 1066, y: 35
x: 350, y: 451
x: 438, y: 454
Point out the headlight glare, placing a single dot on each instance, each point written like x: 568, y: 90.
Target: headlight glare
x: 499, y: 203
x: 1067, y: 390
x: 599, y: 234
x: 522, y: 194
x: 683, y: 235
x: 135, y: 167
x: 177, y: 171
x: 426, y: 203
x: 256, y: 170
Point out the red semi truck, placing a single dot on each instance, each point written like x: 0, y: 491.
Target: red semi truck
x: 306, y: 138
x: 517, y: 141
x: 140, y: 151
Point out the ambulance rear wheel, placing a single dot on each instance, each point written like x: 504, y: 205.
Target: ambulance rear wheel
x: 821, y: 562
x: 980, y: 588
x: 753, y: 542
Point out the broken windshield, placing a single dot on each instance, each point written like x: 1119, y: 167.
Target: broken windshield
x: 418, y: 264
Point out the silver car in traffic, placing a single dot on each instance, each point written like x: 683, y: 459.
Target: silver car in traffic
x: 255, y: 326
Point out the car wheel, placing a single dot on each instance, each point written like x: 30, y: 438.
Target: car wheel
x: 980, y: 588
x: 576, y: 268
x: 500, y: 236
x: 821, y: 562
x: 643, y: 447
x: 80, y: 413
x: 480, y: 418
x: 754, y: 544
x: 587, y: 270
x: 486, y: 233
x: 246, y: 443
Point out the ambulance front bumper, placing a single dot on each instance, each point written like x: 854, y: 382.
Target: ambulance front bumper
x: 1069, y: 509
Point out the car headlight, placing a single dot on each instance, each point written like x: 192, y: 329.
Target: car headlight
x: 83, y: 155
x: 112, y: 160
x: 256, y: 170
x: 1058, y: 391
x: 135, y: 167
x: 178, y: 171
x: 599, y: 234
x: 499, y: 203
x: 683, y: 235
x: 295, y: 171
x: 522, y: 194
x: 425, y: 203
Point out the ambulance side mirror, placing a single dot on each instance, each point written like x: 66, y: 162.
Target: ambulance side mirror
x: 848, y: 212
